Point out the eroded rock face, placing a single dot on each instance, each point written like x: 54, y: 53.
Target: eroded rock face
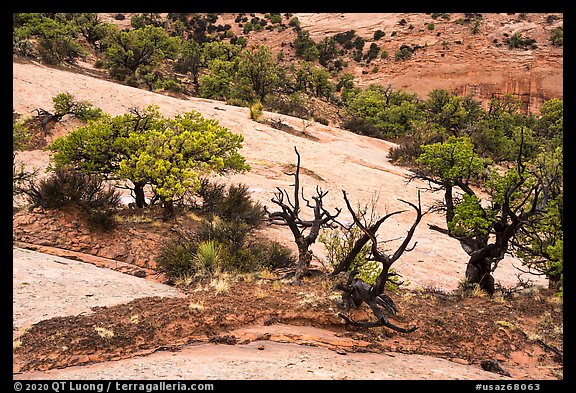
x: 455, y: 56
x: 68, y: 231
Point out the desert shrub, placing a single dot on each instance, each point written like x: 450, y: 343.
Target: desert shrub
x: 65, y: 187
x: 208, y: 256
x: 271, y: 254
x: 240, y: 260
x: 518, y: 41
x: 219, y: 246
x: 57, y: 49
x: 22, y: 46
x: 378, y: 34
x: 321, y: 120
x: 362, y: 127
x: 294, y: 22
x: 211, y: 193
x: 292, y: 105
x: 467, y: 288
x: 372, y: 52
x: 65, y: 104
x: 240, y: 252
x: 176, y: 258
x: 238, y: 205
x: 306, y: 47
x: 233, y: 204
x: 231, y: 234
x: 404, y: 53
x: 101, y: 220
x: 256, y: 111
x: 359, y: 43
x: 338, y: 244
x: 256, y: 255
x: 405, y: 152
x: 172, y: 85
x: 557, y: 36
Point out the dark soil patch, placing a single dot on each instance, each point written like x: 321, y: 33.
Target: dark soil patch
x: 470, y: 329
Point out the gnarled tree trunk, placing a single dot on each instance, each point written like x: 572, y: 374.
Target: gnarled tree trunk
x: 356, y: 291
x: 289, y: 215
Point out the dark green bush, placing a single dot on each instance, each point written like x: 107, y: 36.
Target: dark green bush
x: 64, y: 188
x: 360, y: 126
x: 518, y: 41
x: 272, y: 254
x: 211, y: 193
x: 239, y: 206
x: 67, y: 188
x: 233, y: 204
x: 557, y: 36
x: 404, y: 53
x: 57, y: 50
x: 180, y: 257
x: 176, y: 257
x: 101, y: 220
x: 405, y: 153
x: 230, y: 233
x: 239, y: 260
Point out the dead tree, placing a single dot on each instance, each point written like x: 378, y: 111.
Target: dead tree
x: 46, y: 117
x: 289, y: 215
x: 356, y: 291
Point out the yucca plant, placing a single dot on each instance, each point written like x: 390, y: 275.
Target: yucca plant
x: 208, y: 256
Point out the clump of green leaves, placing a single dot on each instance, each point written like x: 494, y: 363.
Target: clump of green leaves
x: 470, y: 220
x: 557, y: 36
x: 518, y: 41
x: 169, y: 154
x: 452, y: 160
x: 256, y: 110
x: 65, y: 104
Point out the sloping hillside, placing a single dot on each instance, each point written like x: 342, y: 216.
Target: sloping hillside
x: 467, y: 54
x: 332, y: 158
x: 454, y: 55
x: 73, y: 320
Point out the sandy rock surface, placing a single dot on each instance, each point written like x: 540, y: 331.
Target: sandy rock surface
x: 46, y: 286
x: 267, y: 360
x: 334, y: 159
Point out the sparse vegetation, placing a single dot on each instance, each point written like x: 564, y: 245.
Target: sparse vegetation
x: 557, y: 36
x: 256, y: 111
x: 168, y: 154
x: 498, y: 166
x: 518, y: 41
x: 65, y: 189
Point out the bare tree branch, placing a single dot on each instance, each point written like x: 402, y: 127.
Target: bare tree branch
x: 290, y: 216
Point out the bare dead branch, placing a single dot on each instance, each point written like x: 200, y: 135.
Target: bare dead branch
x: 290, y: 216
